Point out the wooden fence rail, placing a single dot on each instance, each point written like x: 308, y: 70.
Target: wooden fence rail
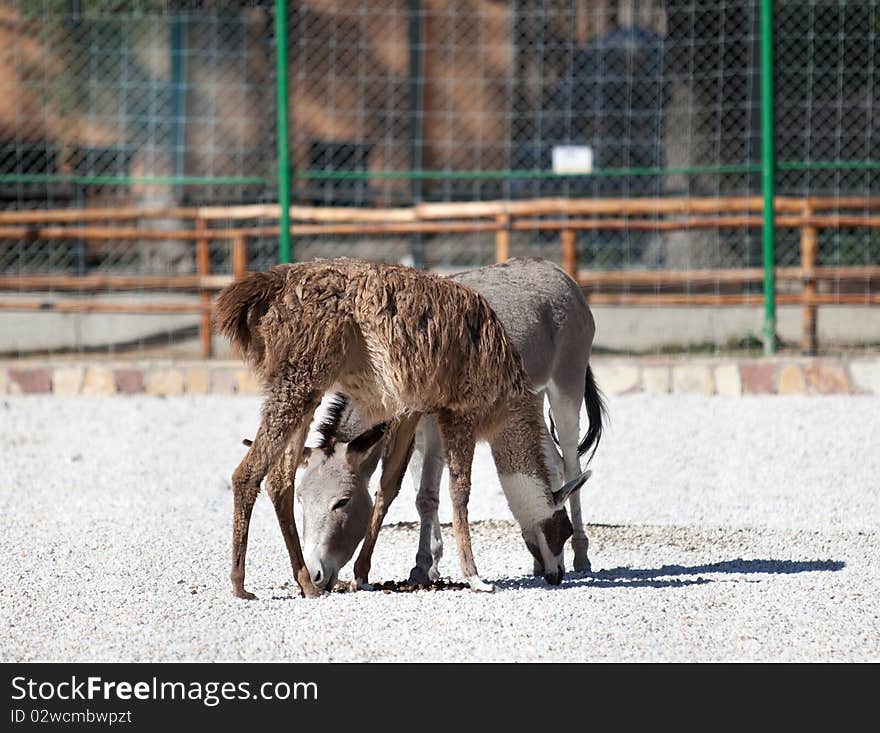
x: 235, y: 225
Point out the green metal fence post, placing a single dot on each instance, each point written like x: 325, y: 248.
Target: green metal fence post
x: 285, y: 252
x: 416, y: 133
x: 178, y: 100
x: 768, y: 170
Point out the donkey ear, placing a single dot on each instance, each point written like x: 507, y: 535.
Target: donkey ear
x: 359, y: 448
x: 569, y: 488
x: 304, y: 458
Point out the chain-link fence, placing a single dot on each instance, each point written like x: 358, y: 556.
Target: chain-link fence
x: 172, y: 104
x: 142, y: 104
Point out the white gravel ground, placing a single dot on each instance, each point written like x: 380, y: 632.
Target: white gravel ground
x: 722, y: 529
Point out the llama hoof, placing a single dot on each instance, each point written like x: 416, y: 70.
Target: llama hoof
x: 478, y: 585
x: 418, y: 576
x: 361, y: 584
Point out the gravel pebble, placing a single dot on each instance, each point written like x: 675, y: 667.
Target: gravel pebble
x: 721, y: 529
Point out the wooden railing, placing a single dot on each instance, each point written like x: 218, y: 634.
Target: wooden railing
x: 235, y: 225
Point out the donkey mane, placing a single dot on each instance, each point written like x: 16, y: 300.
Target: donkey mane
x: 329, y: 427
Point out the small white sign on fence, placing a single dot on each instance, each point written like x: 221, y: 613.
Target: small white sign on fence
x: 572, y: 159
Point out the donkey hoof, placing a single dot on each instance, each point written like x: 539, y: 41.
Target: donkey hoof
x: 537, y: 569
x: 361, y: 584
x: 243, y: 594
x: 434, y: 573
x: 478, y: 585
x: 582, y: 564
x: 418, y: 576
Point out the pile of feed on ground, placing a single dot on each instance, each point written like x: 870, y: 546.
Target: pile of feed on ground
x: 404, y: 586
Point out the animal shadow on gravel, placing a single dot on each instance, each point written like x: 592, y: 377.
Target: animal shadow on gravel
x: 669, y: 576
x: 666, y: 576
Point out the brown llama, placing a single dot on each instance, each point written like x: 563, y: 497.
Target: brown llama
x: 402, y: 343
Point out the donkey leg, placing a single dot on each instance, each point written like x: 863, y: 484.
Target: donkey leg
x: 428, y: 455
x: 459, y: 441
x: 436, y: 544
x: 418, y: 575
x: 566, y: 406
x: 395, y: 457
x: 280, y: 486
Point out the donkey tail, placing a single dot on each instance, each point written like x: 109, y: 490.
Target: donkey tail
x: 240, y: 307
x: 596, y: 412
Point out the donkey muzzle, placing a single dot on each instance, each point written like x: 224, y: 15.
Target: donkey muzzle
x: 323, y: 576
x: 555, y: 578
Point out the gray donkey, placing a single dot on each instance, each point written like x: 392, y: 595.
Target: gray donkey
x: 549, y: 322
x: 401, y: 343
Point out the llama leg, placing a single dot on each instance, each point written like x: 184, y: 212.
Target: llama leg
x: 459, y: 439
x: 280, y: 419
x: 395, y: 457
x: 566, y: 412
x: 244, y: 495
x: 579, y: 541
x: 429, y: 455
x: 280, y: 487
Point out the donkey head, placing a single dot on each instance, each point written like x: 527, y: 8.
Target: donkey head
x: 336, y: 503
x: 546, y: 537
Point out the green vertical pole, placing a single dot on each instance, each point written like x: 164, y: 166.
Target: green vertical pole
x: 416, y: 133
x: 178, y: 101
x: 283, y: 141
x: 768, y: 170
